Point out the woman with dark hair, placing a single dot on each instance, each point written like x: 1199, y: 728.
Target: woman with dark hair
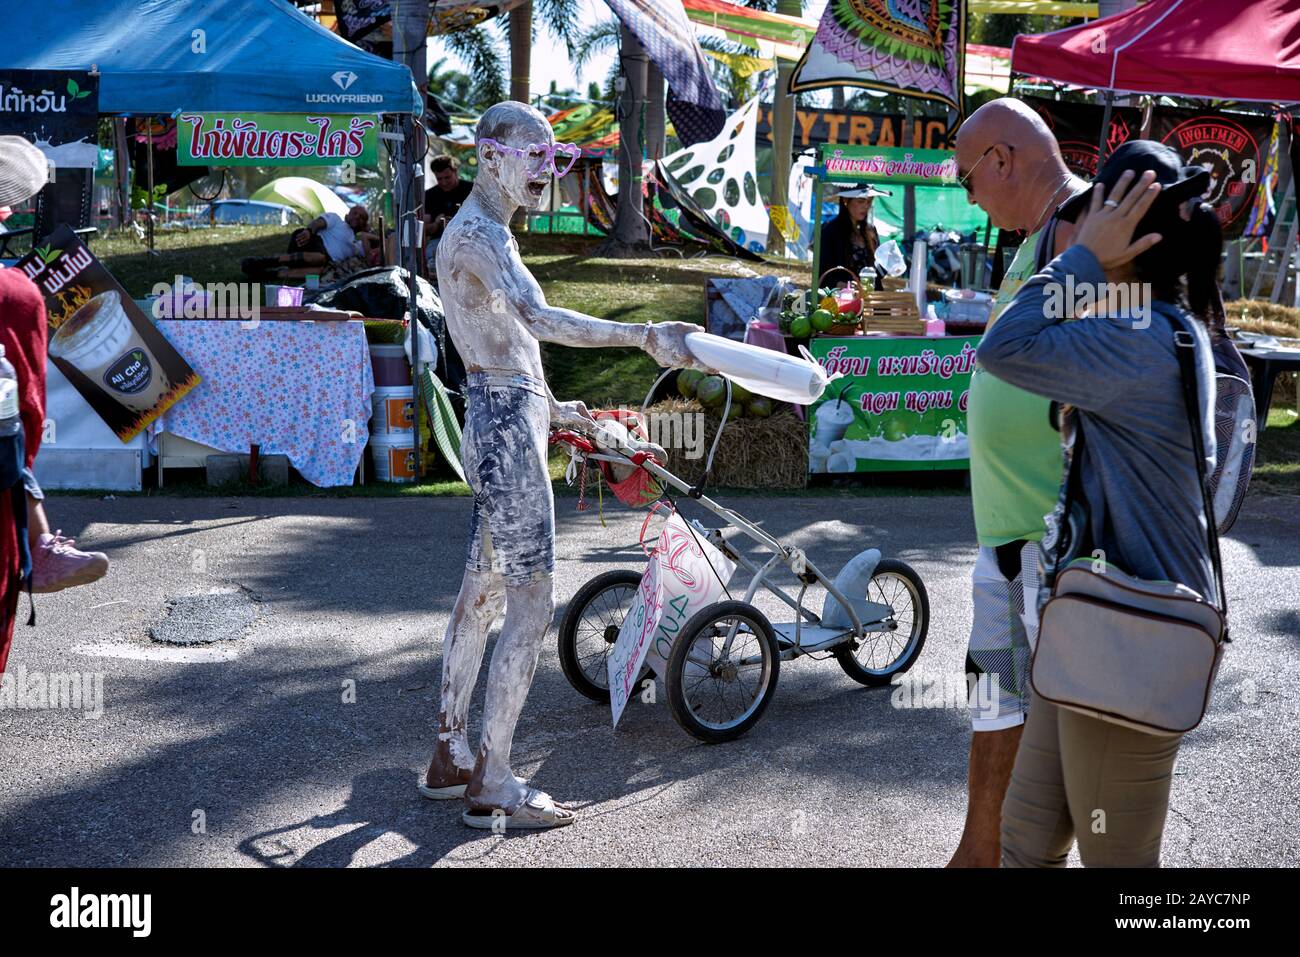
x: 1142, y: 269
x: 849, y: 240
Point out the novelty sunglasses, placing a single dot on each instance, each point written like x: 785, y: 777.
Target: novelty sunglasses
x: 560, y: 157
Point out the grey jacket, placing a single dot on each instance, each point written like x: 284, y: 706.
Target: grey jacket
x: 1138, y: 468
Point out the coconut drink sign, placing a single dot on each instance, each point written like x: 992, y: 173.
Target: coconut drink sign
x: 900, y: 404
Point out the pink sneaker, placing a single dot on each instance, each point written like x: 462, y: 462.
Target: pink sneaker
x: 56, y: 565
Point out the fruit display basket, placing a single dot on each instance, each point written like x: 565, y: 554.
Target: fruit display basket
x: 847, y: 307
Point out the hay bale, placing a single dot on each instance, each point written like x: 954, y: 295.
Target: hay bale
x: 753, y: 453
x: 1264, y: 317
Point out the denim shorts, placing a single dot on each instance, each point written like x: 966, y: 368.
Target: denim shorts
x: 504, y: 453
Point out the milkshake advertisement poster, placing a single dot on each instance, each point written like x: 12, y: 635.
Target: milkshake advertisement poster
x: 101, y: 341
x: 58, y: 110
x: 900, y: 404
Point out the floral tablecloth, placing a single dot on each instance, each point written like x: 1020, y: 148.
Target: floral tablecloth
x: 300, y: 389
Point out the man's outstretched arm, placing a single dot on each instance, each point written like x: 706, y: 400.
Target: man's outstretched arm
x: 503, y: 274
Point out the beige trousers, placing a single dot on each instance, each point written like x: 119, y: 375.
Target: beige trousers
x: 1082, y: 779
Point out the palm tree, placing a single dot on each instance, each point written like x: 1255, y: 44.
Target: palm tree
x: 480, y: 52
x: 560, y: 16
x: 602, y: 37
x: 452, y: 87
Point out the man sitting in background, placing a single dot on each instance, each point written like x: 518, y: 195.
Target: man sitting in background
x: 328, y: 242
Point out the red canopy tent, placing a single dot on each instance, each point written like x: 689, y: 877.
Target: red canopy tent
x: 1212, y: 49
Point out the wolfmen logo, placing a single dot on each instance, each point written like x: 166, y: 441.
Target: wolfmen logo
x: 1228, y: 151
x: 344, y: 79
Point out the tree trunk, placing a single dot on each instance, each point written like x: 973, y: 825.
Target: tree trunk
x: 631, y: 234
x: 783, y: 103
x: 837, y: 98
x: 654, y: 116
x: 521, y: 51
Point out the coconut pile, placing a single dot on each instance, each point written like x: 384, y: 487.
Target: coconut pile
x: 765, y: 445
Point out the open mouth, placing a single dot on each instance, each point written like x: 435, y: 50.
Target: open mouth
x: 536, y: 189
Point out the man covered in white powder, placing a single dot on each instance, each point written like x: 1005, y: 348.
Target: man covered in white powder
x: 497, y: 315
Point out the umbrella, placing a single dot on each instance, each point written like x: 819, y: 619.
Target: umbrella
x: 309, y: 197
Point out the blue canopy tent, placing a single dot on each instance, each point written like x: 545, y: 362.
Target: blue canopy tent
x: 252, y: 55
x: 159, y: 57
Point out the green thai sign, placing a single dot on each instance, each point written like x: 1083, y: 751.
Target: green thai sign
x: 275, y: 139
x: 900, y: 165
x: 900, y: 404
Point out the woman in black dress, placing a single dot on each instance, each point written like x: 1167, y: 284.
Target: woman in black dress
x: 849, y: 240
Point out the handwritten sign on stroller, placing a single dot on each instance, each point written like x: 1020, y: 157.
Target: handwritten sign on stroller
x: 685, y: 574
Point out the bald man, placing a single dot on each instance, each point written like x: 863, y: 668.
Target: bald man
x: 1010, y: 165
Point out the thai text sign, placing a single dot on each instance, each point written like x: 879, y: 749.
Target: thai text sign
x: 900, y: 405
x: 275, y: 139
x: 884, y: 164
x: 685, y: 574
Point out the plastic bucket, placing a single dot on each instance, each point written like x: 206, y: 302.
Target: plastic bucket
x: 388, y: 362
x: 393, y: 410
x: 394, y: 456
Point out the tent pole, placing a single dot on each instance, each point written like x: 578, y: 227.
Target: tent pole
x: 1105, y: 125
x: 816, y: 220
x: 121, y: 176
x: 909, y: 191
x: 411, y: 249
x: 149, y: 202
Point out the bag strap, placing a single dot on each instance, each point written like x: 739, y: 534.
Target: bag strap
x: 1070, y: 490
x: 1185, y: 348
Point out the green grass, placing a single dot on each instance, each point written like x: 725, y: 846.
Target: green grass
x: 1277, y: 465
x: 205, y: 255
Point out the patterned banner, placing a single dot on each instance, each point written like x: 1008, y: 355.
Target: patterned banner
x: 694, y: 104
x: 771, y: 34
x: 912, y: 47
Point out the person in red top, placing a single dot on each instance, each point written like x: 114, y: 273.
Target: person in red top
x: 23, y: 171
x: 23, y: 331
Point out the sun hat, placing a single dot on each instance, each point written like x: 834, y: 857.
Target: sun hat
x: 861, y: 191
x: 23, y: 170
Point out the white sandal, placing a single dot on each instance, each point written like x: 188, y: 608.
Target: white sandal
x: 539, y: 812
x: 449, y: 793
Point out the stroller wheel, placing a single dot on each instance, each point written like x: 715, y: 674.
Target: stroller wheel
x: 717, y: 693
x: 590, y: 627
x: 882, y: 654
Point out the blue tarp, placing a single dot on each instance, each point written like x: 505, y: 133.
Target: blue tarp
x: 252, y: 55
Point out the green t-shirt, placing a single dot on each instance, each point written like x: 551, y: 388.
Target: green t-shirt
x: 1015, y: 454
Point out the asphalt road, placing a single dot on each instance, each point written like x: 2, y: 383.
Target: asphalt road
x: 249, y: 753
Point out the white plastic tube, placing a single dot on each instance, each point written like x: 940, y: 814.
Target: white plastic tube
x: 762, y: 371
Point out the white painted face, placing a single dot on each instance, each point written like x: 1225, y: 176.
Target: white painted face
x: 523, y: 178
